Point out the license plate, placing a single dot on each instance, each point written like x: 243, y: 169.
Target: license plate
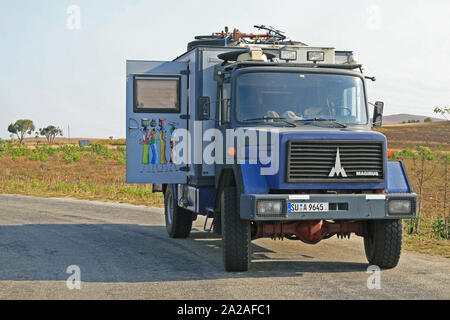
x: 307, y: 207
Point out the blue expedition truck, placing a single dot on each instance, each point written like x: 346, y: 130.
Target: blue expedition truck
x: 300, y: 159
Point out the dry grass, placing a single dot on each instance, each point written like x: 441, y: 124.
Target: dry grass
x: 428, y: 245
x: 92, y: 178
x: 433, y: 196
x: 61, y: 140
x: 435, y: 135
x: 433, y: 188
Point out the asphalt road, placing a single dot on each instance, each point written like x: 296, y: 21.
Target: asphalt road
x: 123, y: 252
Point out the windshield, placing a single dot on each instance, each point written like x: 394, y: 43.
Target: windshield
x: 301, y: 96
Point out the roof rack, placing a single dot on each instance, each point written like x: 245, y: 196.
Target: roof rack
x: 272, y: 36
x: 241, y: 64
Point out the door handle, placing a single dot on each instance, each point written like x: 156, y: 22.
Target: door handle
x: 131, y: 127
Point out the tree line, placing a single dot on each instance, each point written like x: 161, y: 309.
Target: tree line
x: 22, y: 128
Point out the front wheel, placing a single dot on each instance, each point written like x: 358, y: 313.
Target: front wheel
x: 383, y: 243
x: 178, y: 220
x: 235, y: 233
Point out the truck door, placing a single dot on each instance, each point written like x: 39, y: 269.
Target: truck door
x: 157, y: 99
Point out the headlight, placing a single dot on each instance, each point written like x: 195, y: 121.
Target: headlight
x: 269, y: 207
x: 316, y: 56
x: 288, y: 55
x: 399, y: 206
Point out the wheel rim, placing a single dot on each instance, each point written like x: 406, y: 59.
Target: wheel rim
x: 169, y: 209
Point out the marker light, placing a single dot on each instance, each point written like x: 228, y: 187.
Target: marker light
x: 399, y: 206
x: 288, y: 55
x: 316, y: 56
x: 270, y: 207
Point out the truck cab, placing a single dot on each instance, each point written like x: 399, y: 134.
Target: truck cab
x: 266, y: 137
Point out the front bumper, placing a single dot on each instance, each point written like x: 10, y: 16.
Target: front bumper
x: 341, y: 207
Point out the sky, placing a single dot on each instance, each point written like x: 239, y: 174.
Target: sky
x: 59, y: 70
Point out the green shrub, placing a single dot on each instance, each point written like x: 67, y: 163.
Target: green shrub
x: 17, y: 150
x: 2, y: 145
x: 71, y: 156
x: 121, y: 159
x: 407, y: 153
x: 99, y: 148
x: 71, y: 148
x: 41, y: 153
x: 408, y: 225
x: 440, y: 227
x: 425, y: 153
x: 102, y: 150
x: 35, y: 156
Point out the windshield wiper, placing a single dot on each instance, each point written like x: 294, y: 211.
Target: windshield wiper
x: 284, y: 120
x: 322, y: 120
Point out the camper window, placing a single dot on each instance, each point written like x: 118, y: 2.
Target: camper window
x: 157, y: 94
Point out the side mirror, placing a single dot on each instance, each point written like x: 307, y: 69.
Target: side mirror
x: 203, y: 108
x: 378, y: 114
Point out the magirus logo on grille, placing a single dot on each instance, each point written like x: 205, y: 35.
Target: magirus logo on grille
x: 367, y: 173
x: 337, y: 169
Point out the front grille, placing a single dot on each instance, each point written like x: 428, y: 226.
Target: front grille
x: 314, y: 161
